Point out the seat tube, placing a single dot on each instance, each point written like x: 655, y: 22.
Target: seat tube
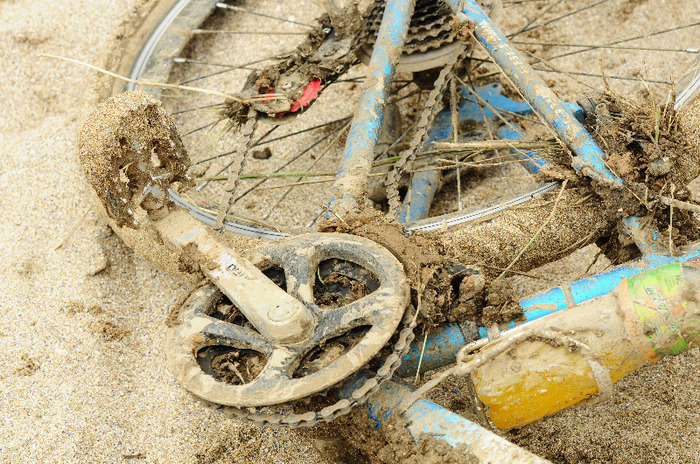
x: 350, y: 187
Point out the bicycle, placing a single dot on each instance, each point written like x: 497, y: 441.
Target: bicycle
x: 349, y: 260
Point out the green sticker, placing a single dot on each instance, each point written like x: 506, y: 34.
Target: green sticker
x: 652, y: 293
x: 662, y: 281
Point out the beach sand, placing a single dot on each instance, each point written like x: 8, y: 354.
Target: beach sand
x: 82, y: 375
x: 82, y: 366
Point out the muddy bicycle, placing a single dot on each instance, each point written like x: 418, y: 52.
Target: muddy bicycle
x: 407, y: 237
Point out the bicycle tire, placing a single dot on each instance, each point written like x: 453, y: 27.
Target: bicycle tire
x: 148, y: 42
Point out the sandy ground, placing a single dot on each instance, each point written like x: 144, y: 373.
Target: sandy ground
x: 81, y: 328
x: 82, y: 376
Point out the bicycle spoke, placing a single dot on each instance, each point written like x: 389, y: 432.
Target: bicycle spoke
x: 222, y: 155
x: 318, y: 158
x: 197, y: 108
x: 206, y: 126
x: 266, y: 33
x: 302, y: 153
x: 543, y: 12
x: 621, y: 41
x: 604, y: 47
x: 256, y: 144
x: 604, y: 76
x: 253, y: 145
x: 229, y: 68
x: 320, y: 126
x: 582, y: 9
x: 255, y: 13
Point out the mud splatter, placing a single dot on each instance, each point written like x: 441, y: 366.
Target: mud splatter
x: 463, y: 32
x: 28, y: 268
x: 108, y: 330
x: 76, y: 307
x: 651, y: 147
x: 422, y: 256
x: 28, y: 366
x: 319, y: 59
x: 131, y: 154
x: 338, y: 290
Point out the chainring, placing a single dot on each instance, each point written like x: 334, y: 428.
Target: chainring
x: 193, y: 358
x: 276, y: 417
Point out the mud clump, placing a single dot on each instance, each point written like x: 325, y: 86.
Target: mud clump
x: 496, y: 303
x: 76, y: 307
x: 131, y: 154
x: 238, y: 367
x: 501, y: 305
x: 654, y: 150
x: 463, y: 32
x: 284, y: 84
x: 470, y: 299
x: 644, y: 143
x: 422, y: 257
x: 108, y: 330
x: 449, y: 285
x: 28, y: 366
x: 265, y: 153
x: 362, y: 442
x: 338, y: 290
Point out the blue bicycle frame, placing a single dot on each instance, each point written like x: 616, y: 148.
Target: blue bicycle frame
x: 355, y: 167
x: 351, y: 184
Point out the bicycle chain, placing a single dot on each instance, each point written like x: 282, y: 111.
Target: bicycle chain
x: 432, y: 108
x: 359, y: 396
x: 243, y: 148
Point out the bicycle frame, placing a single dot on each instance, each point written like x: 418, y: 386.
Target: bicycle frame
x: 351, y: 184
x: 562, y: 117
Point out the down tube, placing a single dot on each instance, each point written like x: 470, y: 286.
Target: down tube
x: 350, y: 186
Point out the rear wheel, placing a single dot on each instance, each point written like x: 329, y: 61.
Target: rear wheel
x: 282, y: 186
x: 310, y: 145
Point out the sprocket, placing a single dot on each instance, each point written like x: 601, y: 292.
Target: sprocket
x: 218, y: 356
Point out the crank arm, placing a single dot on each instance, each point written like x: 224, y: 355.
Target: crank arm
x: 278, y: 316
x: 131, y: 165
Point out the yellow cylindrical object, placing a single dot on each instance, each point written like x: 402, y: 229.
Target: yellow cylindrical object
x: 654, y: 314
